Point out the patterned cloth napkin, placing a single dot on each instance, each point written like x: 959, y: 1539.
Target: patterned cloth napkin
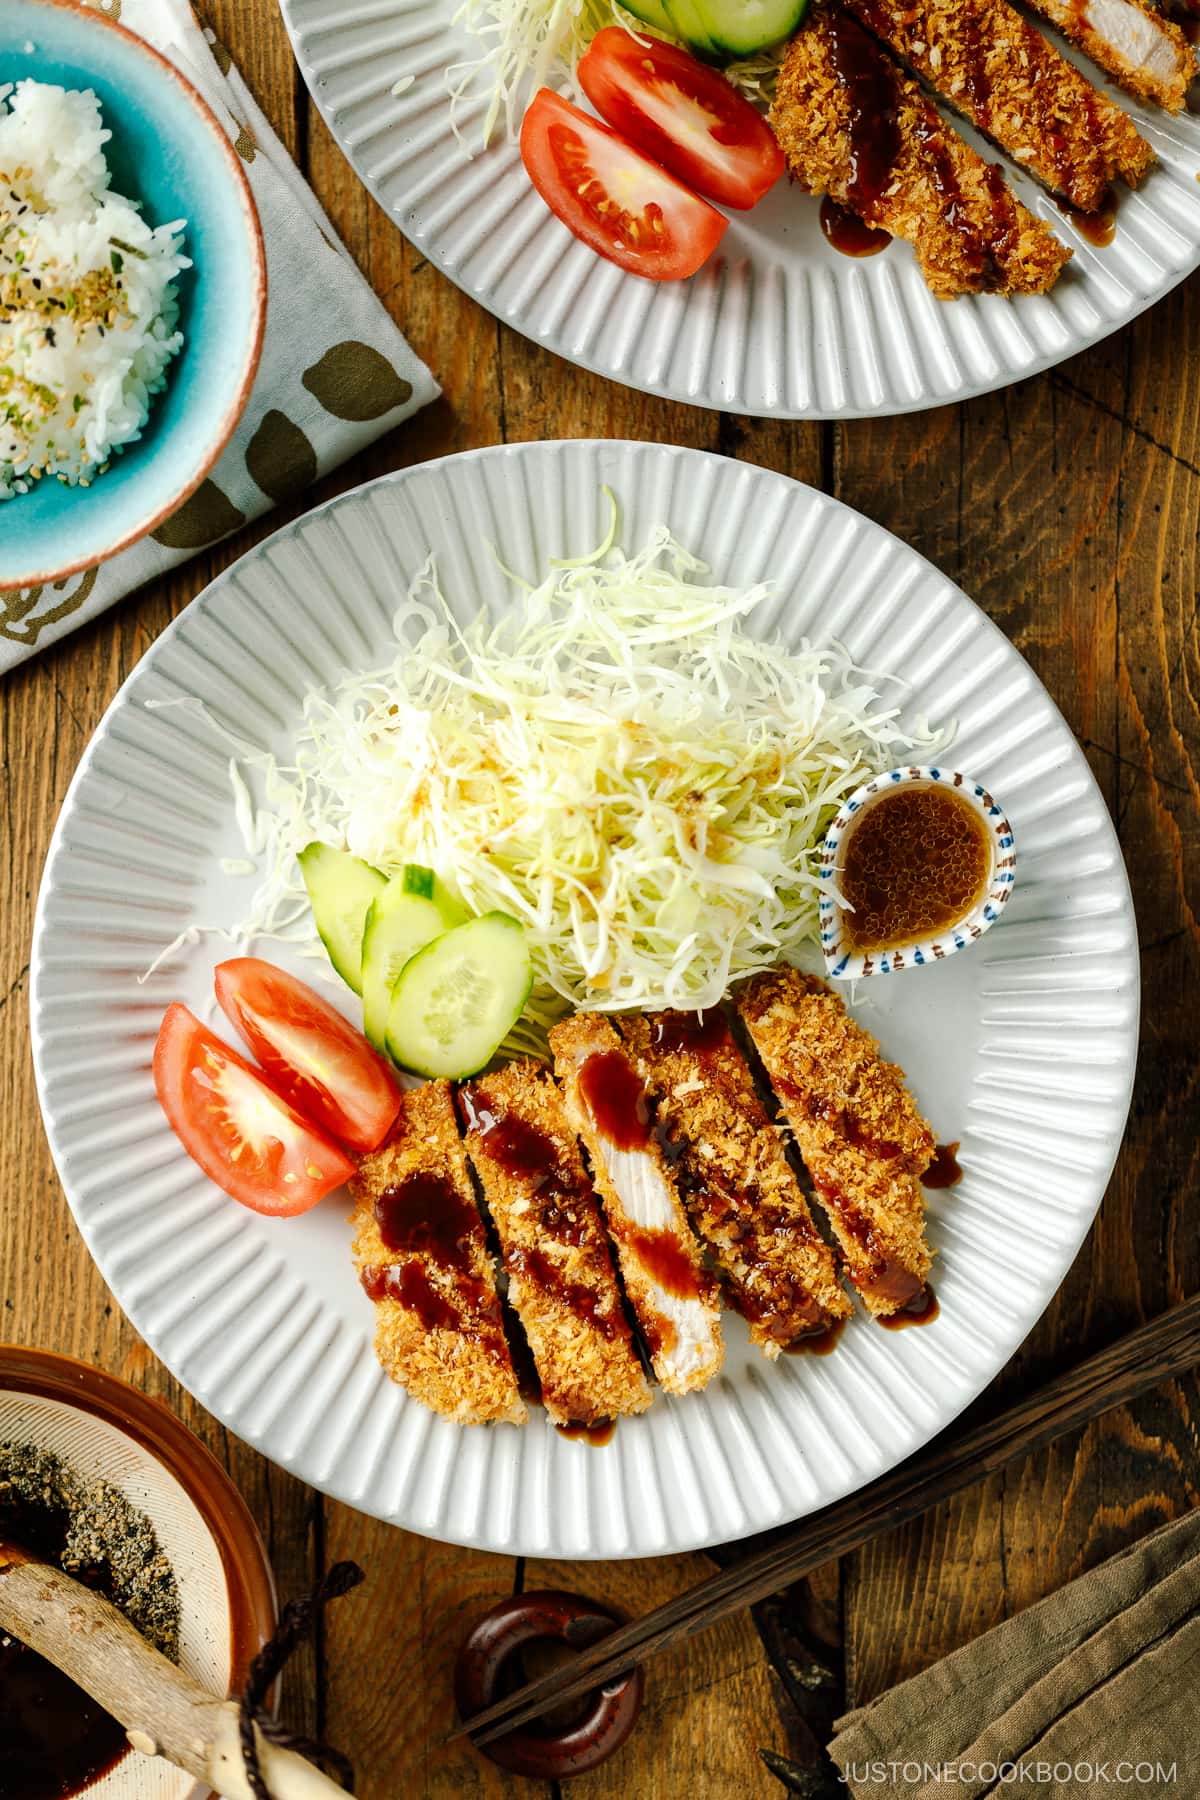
x: 332, y: 378
x: 1091, y: 1691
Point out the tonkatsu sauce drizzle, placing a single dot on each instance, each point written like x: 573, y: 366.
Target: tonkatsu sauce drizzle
x: 616, y: 1099
x: 664, y: 1259
x: 944, y: 1170
x: 817, y: 1343
x: 690, y: 1034
x: 601, y: 1432
x: 1099, y: 227
x: 869, y: 83
x: 530, y: 1156
x: 849, y: 235
x: 922, y: 1309
x: 428, y: 1222
x: 915, y: 863
x: 583, y: 1301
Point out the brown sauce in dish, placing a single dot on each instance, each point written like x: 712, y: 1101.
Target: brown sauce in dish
x: 1099, y: 227
x: 688, y: 1033
x: 922, y: 1309
x: 944, y: 1170
x: 915, y: 863
x: 598, y: 1434
x: 580, y: 1299
x: 869, y: 83
x: 616, y: 1099
x: 848, y: 234
x: 54, y: 1739
x: 663, y: 1257
x: 817, y: 1343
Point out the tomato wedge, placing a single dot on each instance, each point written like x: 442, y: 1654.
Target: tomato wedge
x: 688, y: 118
x: 309, y: 1052
x: 614, y: 198
x: 243, y: 1134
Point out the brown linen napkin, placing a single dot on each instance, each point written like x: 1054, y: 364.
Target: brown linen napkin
x: 1093, y: 1690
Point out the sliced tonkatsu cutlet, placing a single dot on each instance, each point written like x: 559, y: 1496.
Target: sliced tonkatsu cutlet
x: 863, y: 1142
x: 561, y: 1280
x: 735, y: 1178
x: 1146, y: 54
x: 852, y: 125
x: 998, y: 71
x: 673, y: 1298
x: 423, y: 1258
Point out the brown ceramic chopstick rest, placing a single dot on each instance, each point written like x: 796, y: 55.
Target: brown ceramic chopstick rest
x: 486, y: 1660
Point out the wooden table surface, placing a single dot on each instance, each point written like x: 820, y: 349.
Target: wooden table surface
x: 1069, y: 508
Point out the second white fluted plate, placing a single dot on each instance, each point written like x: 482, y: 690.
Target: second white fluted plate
x: 776, y: 324
x: 1022, y: 1048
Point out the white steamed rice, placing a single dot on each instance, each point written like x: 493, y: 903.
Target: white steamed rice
x: 88, y: 308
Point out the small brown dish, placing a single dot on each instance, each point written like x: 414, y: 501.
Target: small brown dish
x: 102, y: 1428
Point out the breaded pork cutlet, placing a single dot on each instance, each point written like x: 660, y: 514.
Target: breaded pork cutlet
x: 1146, y: 54
x: 561, y: 1280
x: 674, y: 1300
x: 862, y: 1139
x: 998, y: 71
x: 852, y: 125
x: 736, y: 1181
x: 422, y: 1257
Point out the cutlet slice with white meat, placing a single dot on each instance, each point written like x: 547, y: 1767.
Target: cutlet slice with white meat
x: 674, y: 1300
x: 852, y: 125
x: 735, y: 1178
x: 422, y: 1256
x: 863, y: 1141
x: 1144, y: 53
x: 561, y: 1280
x: 998, y: 71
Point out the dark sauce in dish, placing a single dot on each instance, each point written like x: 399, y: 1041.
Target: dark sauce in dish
x: 916, y: 861
x: 54, y: 1739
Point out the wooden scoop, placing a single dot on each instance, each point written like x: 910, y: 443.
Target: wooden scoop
x: 164, y: 1712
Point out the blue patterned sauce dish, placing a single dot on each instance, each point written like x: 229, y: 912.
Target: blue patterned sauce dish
x: 917, y: 865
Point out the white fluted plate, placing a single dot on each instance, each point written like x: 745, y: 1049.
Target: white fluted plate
x: 777, y: 324
x: 1022, y: 1048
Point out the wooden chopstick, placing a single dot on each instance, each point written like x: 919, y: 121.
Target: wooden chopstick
x: 1168, y: 1346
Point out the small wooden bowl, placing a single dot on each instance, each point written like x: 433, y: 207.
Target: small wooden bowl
x: 103, y: 1427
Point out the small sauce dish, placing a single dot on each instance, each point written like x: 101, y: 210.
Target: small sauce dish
x: 918, y: 863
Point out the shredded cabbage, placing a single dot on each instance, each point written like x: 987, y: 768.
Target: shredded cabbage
x: 537, y: 43
x: 615, y: 761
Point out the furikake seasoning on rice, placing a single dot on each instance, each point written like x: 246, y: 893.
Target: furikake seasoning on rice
x: 88, y: 306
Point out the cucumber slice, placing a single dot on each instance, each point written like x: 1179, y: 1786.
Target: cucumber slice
x: 341, y: 889
x: 458, y: 999
x: 416, y: 880
x: 650, y: 12
x: 688, y: 19
x: 744, y: 27
x: 399, y: 923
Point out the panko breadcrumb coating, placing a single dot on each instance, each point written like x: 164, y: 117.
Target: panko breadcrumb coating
x: 422, y: 1255
x: 863, y: 1141
x: 674, y: 1299
x: 998, y: 71
x: 736, y: 1181
x: 1148, y: 55
x: 561, y: 1280
x: 970, y: 232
